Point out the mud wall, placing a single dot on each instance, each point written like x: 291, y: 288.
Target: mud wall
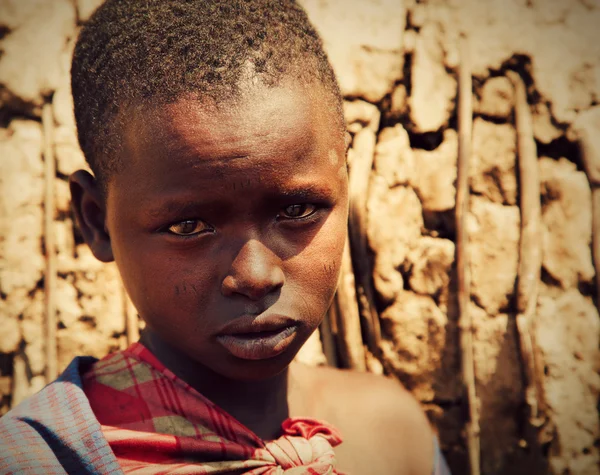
x: 397, y: 65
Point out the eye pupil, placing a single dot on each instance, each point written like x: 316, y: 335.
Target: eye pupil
x: 188, y: 227
x: 298, y: 211
x: 295, y: 210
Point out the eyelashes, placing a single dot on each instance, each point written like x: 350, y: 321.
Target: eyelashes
x: 190, y: 227
x: 295, y: 213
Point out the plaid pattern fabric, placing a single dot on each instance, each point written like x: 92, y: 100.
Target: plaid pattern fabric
x: 156, y: 423
x: 55, y: 432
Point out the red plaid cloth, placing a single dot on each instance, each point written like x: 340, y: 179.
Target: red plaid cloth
x: 156, y: 423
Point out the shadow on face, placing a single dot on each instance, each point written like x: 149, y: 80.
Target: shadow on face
x: 224, y: 213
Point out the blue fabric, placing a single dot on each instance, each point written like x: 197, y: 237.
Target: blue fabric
x: 56, y: 432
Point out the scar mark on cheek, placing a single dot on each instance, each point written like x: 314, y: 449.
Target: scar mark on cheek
x: 333, y: 157
x: 184, y: 289
x: 329, y: 268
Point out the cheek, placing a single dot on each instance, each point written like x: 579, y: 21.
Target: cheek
x: 163, y: 284
x: 317, y: 267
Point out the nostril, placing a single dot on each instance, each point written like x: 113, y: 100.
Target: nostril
x: 251, y: 287
x: 254, y: 273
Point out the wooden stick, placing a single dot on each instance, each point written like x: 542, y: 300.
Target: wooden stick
x: 21, y: 387
x: 465, y: 128
x: 328, y: 336
x: 50, y: 246
x: 530, y: 252
x: 360, y: 173
x: 132, y: 329
x: 596, y: 233
x: 350, y: 343
x: 587, y: 130
x: 334, y: 316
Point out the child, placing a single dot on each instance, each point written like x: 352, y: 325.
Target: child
x: 215, y: 133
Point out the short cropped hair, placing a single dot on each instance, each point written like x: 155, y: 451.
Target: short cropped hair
x: 140, y: 53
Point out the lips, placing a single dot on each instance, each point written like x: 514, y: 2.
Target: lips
x: 258, y: 338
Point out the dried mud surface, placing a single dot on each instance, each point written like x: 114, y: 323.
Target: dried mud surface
x: 396, y: 62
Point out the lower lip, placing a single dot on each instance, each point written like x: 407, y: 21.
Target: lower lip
x: 258, y: 346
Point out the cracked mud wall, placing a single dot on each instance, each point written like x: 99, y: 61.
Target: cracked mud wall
x: 396, y: 62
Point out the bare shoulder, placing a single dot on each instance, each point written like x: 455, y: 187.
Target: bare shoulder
x: 376, y: 412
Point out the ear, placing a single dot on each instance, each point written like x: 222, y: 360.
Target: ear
x: 90, y: 213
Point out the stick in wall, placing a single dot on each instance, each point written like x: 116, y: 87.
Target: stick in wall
x: 50, y: 247
x: 328, y: 331
x: 350, y: 344
x: 530, y: 252
x: 360, y: 172
x: 131, y: 319
x: 465, y: 128
x: 586, y: 131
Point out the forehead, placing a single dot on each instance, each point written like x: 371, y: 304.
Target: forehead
x: 278, y: 137
x: 274, y: 119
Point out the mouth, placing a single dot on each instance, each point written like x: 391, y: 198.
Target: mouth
x: 256, y: 338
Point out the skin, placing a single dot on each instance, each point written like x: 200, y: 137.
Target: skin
x: 222, y: 212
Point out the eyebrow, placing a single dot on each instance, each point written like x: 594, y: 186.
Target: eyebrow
x: 179, y: 207
x: 174, y: 207
x: 307, y: 191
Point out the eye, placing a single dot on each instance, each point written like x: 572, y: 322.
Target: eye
x: 189, y: 227
x: 298, y: 211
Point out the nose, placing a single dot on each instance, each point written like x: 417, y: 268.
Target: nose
x: 254, y: 273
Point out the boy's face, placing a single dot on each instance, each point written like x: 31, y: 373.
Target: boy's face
x: 228, y: 225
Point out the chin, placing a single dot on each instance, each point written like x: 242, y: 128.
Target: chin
x: 258, y: 370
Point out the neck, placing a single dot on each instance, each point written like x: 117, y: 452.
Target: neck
x: 260, y: 405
